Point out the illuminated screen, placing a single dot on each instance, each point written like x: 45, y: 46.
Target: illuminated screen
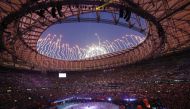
x: 62, y: 75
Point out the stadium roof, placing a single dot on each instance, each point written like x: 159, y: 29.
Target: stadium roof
x: 23, y: 21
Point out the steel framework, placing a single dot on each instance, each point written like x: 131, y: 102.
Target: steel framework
x: 167, y: 22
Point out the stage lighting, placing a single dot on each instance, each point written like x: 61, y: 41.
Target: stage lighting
x: 109, y: 98
x: 53, y: 12
x: 59, y: 8
x: 121, y: 13
x: 127, y: 14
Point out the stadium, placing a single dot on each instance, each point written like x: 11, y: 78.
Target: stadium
x: 94, y: 54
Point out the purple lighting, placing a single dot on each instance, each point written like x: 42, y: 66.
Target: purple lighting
x: 91, y: 105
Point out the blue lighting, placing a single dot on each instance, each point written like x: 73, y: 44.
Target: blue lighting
x: 109, y: 98
x: 129, y: 99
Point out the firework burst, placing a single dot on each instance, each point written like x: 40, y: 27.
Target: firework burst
x: 53, y: 46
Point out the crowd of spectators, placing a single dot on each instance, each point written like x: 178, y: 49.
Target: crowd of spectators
x: 168, y: 81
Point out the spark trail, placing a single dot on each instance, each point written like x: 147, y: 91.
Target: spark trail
x: 52, y: 46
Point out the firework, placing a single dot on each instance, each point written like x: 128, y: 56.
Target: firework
x: 53, y: 46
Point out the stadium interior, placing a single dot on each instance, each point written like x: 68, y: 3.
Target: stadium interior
x: 135, y: 55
